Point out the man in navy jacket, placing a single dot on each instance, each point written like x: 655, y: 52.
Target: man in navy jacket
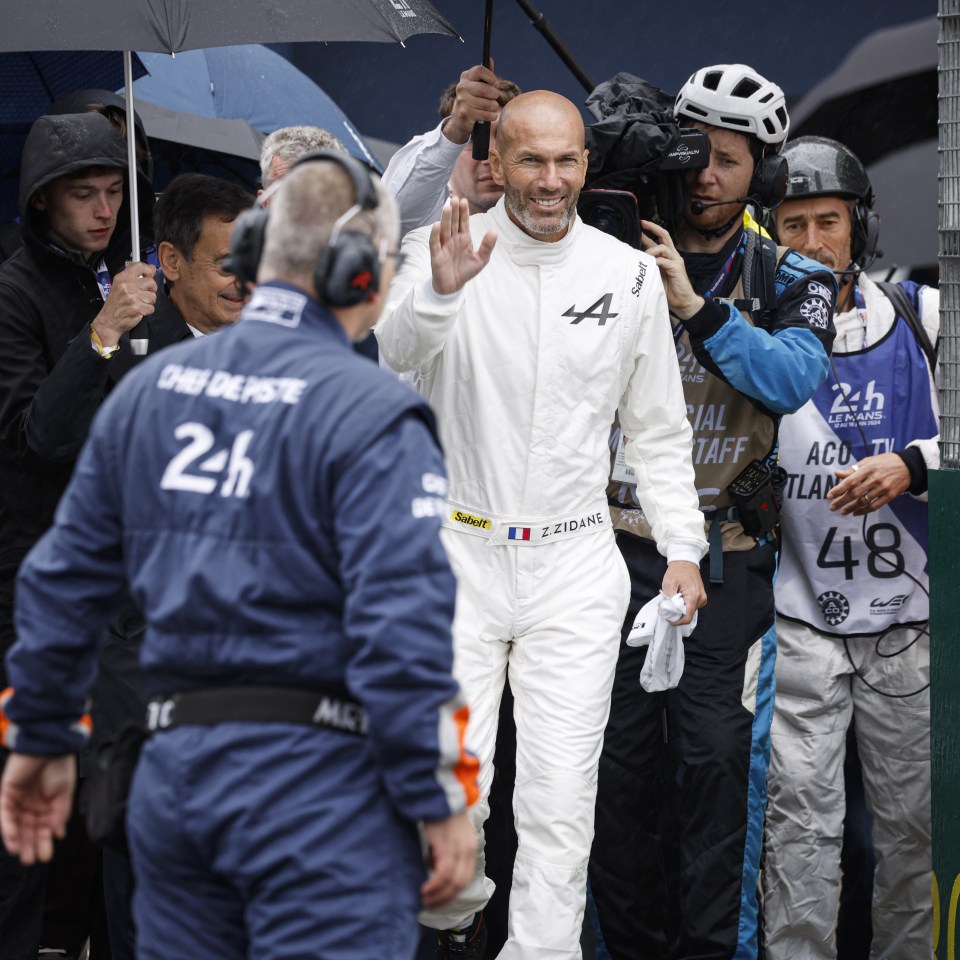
x: 273, y: 504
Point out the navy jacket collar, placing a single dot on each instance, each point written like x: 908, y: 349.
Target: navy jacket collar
x: 286, y: 305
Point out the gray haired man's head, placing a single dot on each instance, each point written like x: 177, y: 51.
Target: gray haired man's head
x: 303, y: 213
x: 285, y: 146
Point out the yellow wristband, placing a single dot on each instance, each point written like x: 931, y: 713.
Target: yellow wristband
x: 97, y: 344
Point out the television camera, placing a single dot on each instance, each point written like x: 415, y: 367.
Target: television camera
x: 638, y: 155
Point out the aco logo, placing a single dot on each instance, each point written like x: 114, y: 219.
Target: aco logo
x: 834, y: 607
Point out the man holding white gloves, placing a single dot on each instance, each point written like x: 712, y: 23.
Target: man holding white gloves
x: 528, y: 331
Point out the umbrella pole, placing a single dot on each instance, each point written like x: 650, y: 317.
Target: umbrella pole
x: 139, y: 335
x: 539, y: 22
x: 131, y: 157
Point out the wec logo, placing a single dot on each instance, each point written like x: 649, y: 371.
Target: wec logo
x: 599, y: 311
x: 880, y: 607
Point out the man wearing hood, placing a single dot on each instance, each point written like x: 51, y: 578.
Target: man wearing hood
x: 112, y: 106
x: 67, y: 301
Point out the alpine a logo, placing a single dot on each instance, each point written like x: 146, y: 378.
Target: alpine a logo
x: 880, y: 607
x: 834, y: 607
x: 599, y: 311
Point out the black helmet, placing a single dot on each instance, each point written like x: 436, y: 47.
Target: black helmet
x: 824, y: 168
x: 820, y: 167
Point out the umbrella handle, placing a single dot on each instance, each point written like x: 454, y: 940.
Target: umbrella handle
x: 481, y: 130
x: 481, y: 140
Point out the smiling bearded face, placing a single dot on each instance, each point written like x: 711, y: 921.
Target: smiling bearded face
x: 541, y: 162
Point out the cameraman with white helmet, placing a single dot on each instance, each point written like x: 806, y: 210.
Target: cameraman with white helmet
x: 682, y: 789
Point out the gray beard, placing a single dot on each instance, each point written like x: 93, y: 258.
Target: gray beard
x: 526, y: 219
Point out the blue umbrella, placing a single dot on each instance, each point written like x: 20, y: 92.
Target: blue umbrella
x: 248, y: 82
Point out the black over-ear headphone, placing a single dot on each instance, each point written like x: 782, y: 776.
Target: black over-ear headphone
x: 864, y: 232
x: 348, y: 269
x: 768, y: 186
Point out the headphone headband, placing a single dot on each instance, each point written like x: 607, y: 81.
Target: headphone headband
x: 348, y: 267
x: 364, y: 191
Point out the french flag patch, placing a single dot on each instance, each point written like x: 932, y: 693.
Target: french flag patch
x: 518, y: 533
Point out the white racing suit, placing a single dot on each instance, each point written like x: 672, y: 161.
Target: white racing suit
x: 830, y: 588
x: 525, y: 370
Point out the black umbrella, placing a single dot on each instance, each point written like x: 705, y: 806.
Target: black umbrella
x: 905, y: 183
x: 233, y: 137
x: 191, y: 143
x: 881, y: 98
x: 166, y: 26
x: 171, y: 25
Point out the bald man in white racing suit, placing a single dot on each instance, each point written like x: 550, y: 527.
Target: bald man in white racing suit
x: 526, y: 349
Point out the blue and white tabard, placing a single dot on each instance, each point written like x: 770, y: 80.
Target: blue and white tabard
x: 837, y: 575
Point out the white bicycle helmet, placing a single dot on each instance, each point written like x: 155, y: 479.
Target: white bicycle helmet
x: 735, y: 96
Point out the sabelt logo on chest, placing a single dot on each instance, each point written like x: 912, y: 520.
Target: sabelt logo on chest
x: 470, y: 520
x: 601, y: 311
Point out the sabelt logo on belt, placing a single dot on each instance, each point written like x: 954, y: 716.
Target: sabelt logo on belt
x: 470, y: 520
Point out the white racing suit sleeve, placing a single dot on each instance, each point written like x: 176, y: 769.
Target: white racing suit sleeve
x: 417, y: 176
x: 658, y: 447
x: 663, y: 666
x: 417, y: 319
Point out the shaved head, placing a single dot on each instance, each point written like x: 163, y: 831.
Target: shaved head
x: 539, y: 109
x: 540, y: 161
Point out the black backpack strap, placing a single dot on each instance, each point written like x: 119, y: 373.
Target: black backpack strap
x: 906, y: 308
x: 759, y: 279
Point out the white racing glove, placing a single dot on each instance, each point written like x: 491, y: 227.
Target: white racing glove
x: 663, y: 665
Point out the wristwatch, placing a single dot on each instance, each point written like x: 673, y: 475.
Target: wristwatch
x: 97, y: 344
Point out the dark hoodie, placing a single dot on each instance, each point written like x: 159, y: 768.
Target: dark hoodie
x: 82, y: 101
x: 51, y: 381
x: 85, y: 101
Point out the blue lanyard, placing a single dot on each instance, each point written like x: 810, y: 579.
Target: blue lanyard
x: 718, y: 281
x: 103, y: 278
x: 725, y: 269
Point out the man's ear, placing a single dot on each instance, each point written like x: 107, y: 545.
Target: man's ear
x: 39, y: 199
x: 496, y: 167
x: 170, y: 260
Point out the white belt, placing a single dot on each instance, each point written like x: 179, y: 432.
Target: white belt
x: 503, y: 530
